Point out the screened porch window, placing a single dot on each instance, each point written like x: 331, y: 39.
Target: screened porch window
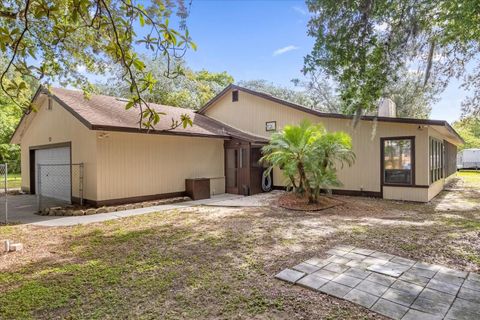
x: 398, y: 161
x: 437, y: 160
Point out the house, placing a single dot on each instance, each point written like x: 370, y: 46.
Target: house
x: 396, y: 158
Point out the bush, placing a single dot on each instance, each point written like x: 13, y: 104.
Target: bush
x: 308, y: 156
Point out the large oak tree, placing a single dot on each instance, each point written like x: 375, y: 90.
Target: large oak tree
x: 365, y: 44
x: 55, y: 40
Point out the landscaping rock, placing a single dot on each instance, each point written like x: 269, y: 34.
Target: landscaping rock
x: 45, y: 211
x: 102, y: 210
x: 78, y: 213
x: 137, y: 206
x: 120, y: 208
x: 128, y: 207
x: 90, y: 211
x: 6, y: 245
x: 16, y: 247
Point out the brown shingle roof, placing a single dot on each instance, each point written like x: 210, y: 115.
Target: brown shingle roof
x: 101, y: 112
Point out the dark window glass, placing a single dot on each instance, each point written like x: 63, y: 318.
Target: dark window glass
x: 235, y: 95
x: 255, y: 155
x: 243, y: 158
x: 397, y: 161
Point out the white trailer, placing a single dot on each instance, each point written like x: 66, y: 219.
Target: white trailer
x: 468, y: 159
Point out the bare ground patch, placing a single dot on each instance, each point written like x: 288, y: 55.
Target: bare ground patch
x: 209, y: 262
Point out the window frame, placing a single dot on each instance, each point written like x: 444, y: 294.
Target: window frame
x: 235, y: 97
x: 436, y: 159
x: 382, y: 161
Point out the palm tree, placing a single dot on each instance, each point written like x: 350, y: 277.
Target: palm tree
x: 308, y: 156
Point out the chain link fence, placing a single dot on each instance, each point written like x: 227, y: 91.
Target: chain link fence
x: 14, y: 177
x: 59, y: 184
x: 4, y: 188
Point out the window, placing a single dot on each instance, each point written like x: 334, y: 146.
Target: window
x: 234, y: 95
x: 243, y: 158
x: 271, y: 125
x: 398, y: 161
x: 232, y: 165
x: 437, y: 160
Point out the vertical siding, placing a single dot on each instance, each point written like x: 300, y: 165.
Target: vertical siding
x: 251, y: 112
x: 405, y: 193
x: 57, y: 126
x: 132, y: 165
x: 435, y: 188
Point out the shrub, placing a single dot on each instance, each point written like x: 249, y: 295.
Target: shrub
x: 308, y: 156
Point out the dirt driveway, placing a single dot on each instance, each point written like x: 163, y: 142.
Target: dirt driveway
x: 219, y: 262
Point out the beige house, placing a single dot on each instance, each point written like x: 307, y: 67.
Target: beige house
x: 402, y: 159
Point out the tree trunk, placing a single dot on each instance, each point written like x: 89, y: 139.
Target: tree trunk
x: 303, y: 178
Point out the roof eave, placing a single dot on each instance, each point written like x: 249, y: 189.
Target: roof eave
x: 329, y: 115
x: 97, y: 127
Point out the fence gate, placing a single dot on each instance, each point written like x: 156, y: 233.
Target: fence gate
x: 59, y: 184
x: 4, y: 189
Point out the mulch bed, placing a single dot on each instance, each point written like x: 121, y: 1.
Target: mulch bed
x: 295, y: 202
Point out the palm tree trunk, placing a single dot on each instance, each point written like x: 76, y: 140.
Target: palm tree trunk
x: 303, y: 177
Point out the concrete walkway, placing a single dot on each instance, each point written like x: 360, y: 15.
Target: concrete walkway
x: 22, y: 209
x: 393, y: 286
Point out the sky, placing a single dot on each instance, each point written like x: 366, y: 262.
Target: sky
x: 255, y: 39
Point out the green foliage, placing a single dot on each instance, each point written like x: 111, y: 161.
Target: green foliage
x: 10, y: 114
x: 295, y: 96
x: 308, y: 156
x: 52, y: 40
x: 469, y: 130
x: 411, y: 97
x: 365, y: 45
x: 189, y: 90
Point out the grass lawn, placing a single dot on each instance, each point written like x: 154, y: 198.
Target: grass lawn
x: 208, y: 262
x: 14, y: 180
x: 471, y: 177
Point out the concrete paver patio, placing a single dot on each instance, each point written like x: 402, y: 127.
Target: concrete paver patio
x: 393, y: 286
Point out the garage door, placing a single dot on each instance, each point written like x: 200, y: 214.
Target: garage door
x: 55, y: 173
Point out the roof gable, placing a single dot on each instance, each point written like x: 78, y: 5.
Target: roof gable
x: 107, y: 113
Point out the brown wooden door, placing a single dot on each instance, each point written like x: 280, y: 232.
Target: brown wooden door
x: 243, y: 171
x: 237, y: 168
x: 231, y: 170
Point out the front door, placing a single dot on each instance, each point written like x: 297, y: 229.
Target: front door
x: 237, y: 168
x: 231, y: 170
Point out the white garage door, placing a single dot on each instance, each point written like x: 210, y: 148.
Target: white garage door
x: 55, y: 173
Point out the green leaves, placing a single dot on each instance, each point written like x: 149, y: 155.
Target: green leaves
x: 48, y: 40
x: 366, y: 45
x: 469, y: 130
x: 308, y: 156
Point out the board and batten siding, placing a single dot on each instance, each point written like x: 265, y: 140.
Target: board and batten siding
x: 135, y: 165
x: 50, y: 127
x: 250, y: 113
